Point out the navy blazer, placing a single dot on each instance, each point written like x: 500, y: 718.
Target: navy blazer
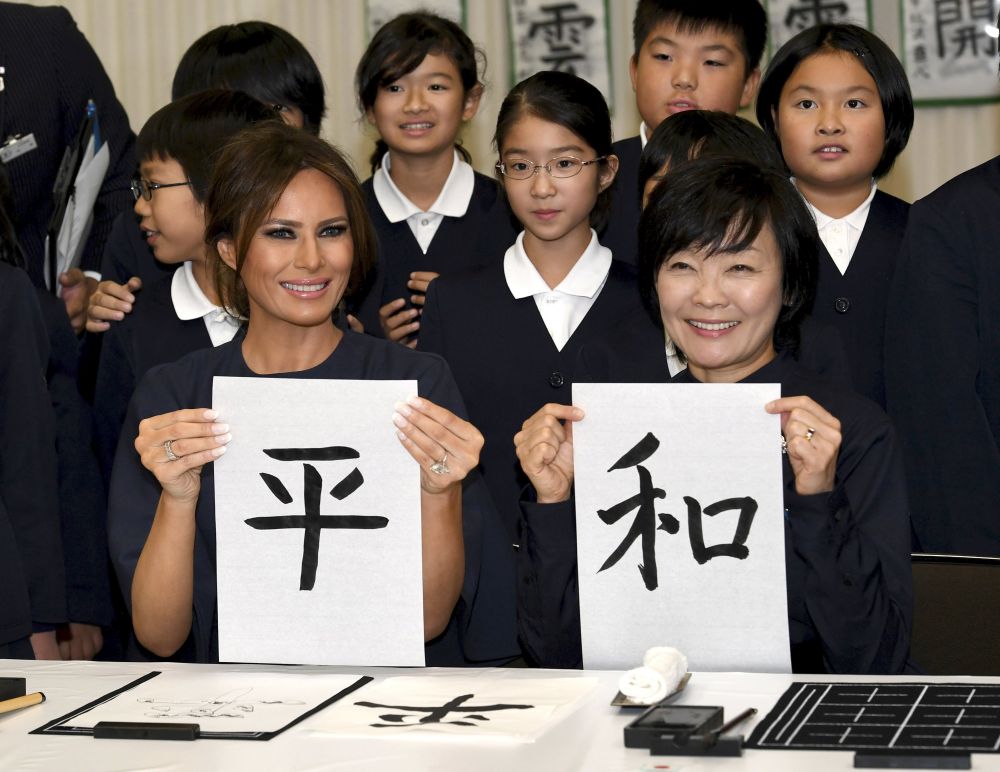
x: 854, y: 303
x: 51, y: 73
x: 480, y: 237
x: 505, y: 362
x: 621, y: 234
x: 942, y: 363
x: 151, y: 335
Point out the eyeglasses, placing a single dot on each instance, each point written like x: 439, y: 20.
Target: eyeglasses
x: 145, y: 188
x: 562, y: 167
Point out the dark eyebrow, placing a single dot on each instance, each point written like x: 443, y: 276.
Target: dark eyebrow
x: 521, y: 152
x: 850, y: 89
x: 705, y: 49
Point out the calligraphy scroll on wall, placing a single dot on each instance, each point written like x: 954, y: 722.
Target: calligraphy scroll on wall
x: 680, y: 525
x: 950, y: 50
x: 317, y: 510
x: 787, y: 18
x: 378, y: 12
x: 566, y: 36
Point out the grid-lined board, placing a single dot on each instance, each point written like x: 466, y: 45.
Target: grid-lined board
x: 901, y: 716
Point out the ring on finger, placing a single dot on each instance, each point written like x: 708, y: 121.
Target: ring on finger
x: 440, y: 467
x: 168, y: 448
x: 809, y: 434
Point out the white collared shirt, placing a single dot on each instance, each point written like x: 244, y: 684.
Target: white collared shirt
x: 562, y: 308
x: 841, y: 235
x: 452, y: 201
x: 643, y: 134
x: 191, y: 303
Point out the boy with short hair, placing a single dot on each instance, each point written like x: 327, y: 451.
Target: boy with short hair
x: 689, y: 55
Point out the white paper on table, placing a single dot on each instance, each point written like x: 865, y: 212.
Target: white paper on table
x: 226, y: 703
x: 715, y: 443
x: 489, y: 705
x: 366, y: 604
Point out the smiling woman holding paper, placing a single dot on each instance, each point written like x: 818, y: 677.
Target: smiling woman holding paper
x: 727, y: 266
x: 286, y: 219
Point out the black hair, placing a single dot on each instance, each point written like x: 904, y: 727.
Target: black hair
x: 571, y: 102
x: 398, y: 48
x: 719, y: 205
x: 874, y: 55
x: 263, y: 60
x: 193, y: 129
x: 745, y: 19
x: 703, y: 133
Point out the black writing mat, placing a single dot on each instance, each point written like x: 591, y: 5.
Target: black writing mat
x: 901, y: 716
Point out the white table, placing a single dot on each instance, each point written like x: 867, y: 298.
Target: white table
x: 589, y: 739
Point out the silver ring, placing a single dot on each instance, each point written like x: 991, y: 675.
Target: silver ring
x: 168, y: 448
x: 809, y: 434
x: 440, y: 467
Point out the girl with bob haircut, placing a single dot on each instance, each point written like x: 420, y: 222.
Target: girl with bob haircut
x: 836, y: 101
x: 287, y: 224
x: 511, y: 330
x: 418, y: 83
x: 728, y: 262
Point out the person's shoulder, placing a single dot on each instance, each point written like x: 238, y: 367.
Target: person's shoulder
x: 623, y: 272
x: 978, y: 187
x: 470, y: 283
x: 15, y: 286
x: 630, y: 147
x: 379, y: 358
x: 185, y: 376
x: 892, y: 205
x: 858, y: 415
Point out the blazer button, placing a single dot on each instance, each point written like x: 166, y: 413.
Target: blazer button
x: 556, y: 379
x: 843, y: 305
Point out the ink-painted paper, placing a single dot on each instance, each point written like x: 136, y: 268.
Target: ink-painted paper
x: 680, y: 525
x: 317, y: 524
x: 493, y: 704
x: 787, y: 18
x: 378, y: 12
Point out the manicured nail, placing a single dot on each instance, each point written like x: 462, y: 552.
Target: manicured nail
x: 211, y: 415
x: 220, y: 428
x: 222, y: 439
x: 218, y: 451
x: 398, y: 420
x: 402, y: 408
x: 415, y: 401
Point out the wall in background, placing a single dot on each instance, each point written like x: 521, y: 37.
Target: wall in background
x: 140, y: 42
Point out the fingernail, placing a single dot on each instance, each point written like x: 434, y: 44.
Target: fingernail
x: 218, y: 451
x: 220, y: 428
x: 211, y: 415
x: 119, y: 315
x: 222, y: 439
x: 398, y: 420
x: 402, y: 408
x: 401, y: 435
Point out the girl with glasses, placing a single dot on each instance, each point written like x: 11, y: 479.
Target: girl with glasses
x: 511, y: 330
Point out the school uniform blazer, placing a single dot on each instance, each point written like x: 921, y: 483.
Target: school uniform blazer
x: 482, y: 627
x: 854, y: 303
x: 81, y: 491
x: 480, y: 237
x: 942, y: 363
x: 847, y: 553
x: 621, y: 235
x: 151, y: 335
x: 51, y: 73
x: 32, y: 576
x: 505, y: 362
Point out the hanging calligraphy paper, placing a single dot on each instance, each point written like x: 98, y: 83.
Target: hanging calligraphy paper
x: 496, y: 704
x: 566, y: 36
x: 378, y: 12
x: 787, y: 18
x: 317, y: 509
x: 680, y: 526
x: 950, y: 50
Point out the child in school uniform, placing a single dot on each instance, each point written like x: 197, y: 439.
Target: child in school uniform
x: 689, y: 55
x: 258, y: 58
x: 179, y: 313
x: 512, y: 329
x: 836, y: 100
x: 417, y: 84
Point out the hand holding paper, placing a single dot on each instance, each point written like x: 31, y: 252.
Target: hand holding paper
x: 812, y: 437
x: 544, y: 447
x: 431, y: 433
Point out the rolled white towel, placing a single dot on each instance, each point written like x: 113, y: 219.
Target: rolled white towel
x: 643, y: 684
x: 668, y: 661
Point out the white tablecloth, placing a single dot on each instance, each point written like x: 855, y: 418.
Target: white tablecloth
x: 588, y: 739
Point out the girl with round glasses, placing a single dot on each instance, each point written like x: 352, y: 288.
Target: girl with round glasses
x: 511, y: 331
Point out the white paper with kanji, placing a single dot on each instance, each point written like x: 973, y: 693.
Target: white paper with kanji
x: 317, y: 524
x: 708, y: 458
x: 498, y: 704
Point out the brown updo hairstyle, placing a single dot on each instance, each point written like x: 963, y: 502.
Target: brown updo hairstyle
x: 249, y: 177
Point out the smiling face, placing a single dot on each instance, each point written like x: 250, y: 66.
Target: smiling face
x: 299, y: 260
x: 553, y: 209
x: 676, y: 71
x: 830, y: 124
x: 173, y: 221
x: 720, y: 310
x: 422, y: 112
